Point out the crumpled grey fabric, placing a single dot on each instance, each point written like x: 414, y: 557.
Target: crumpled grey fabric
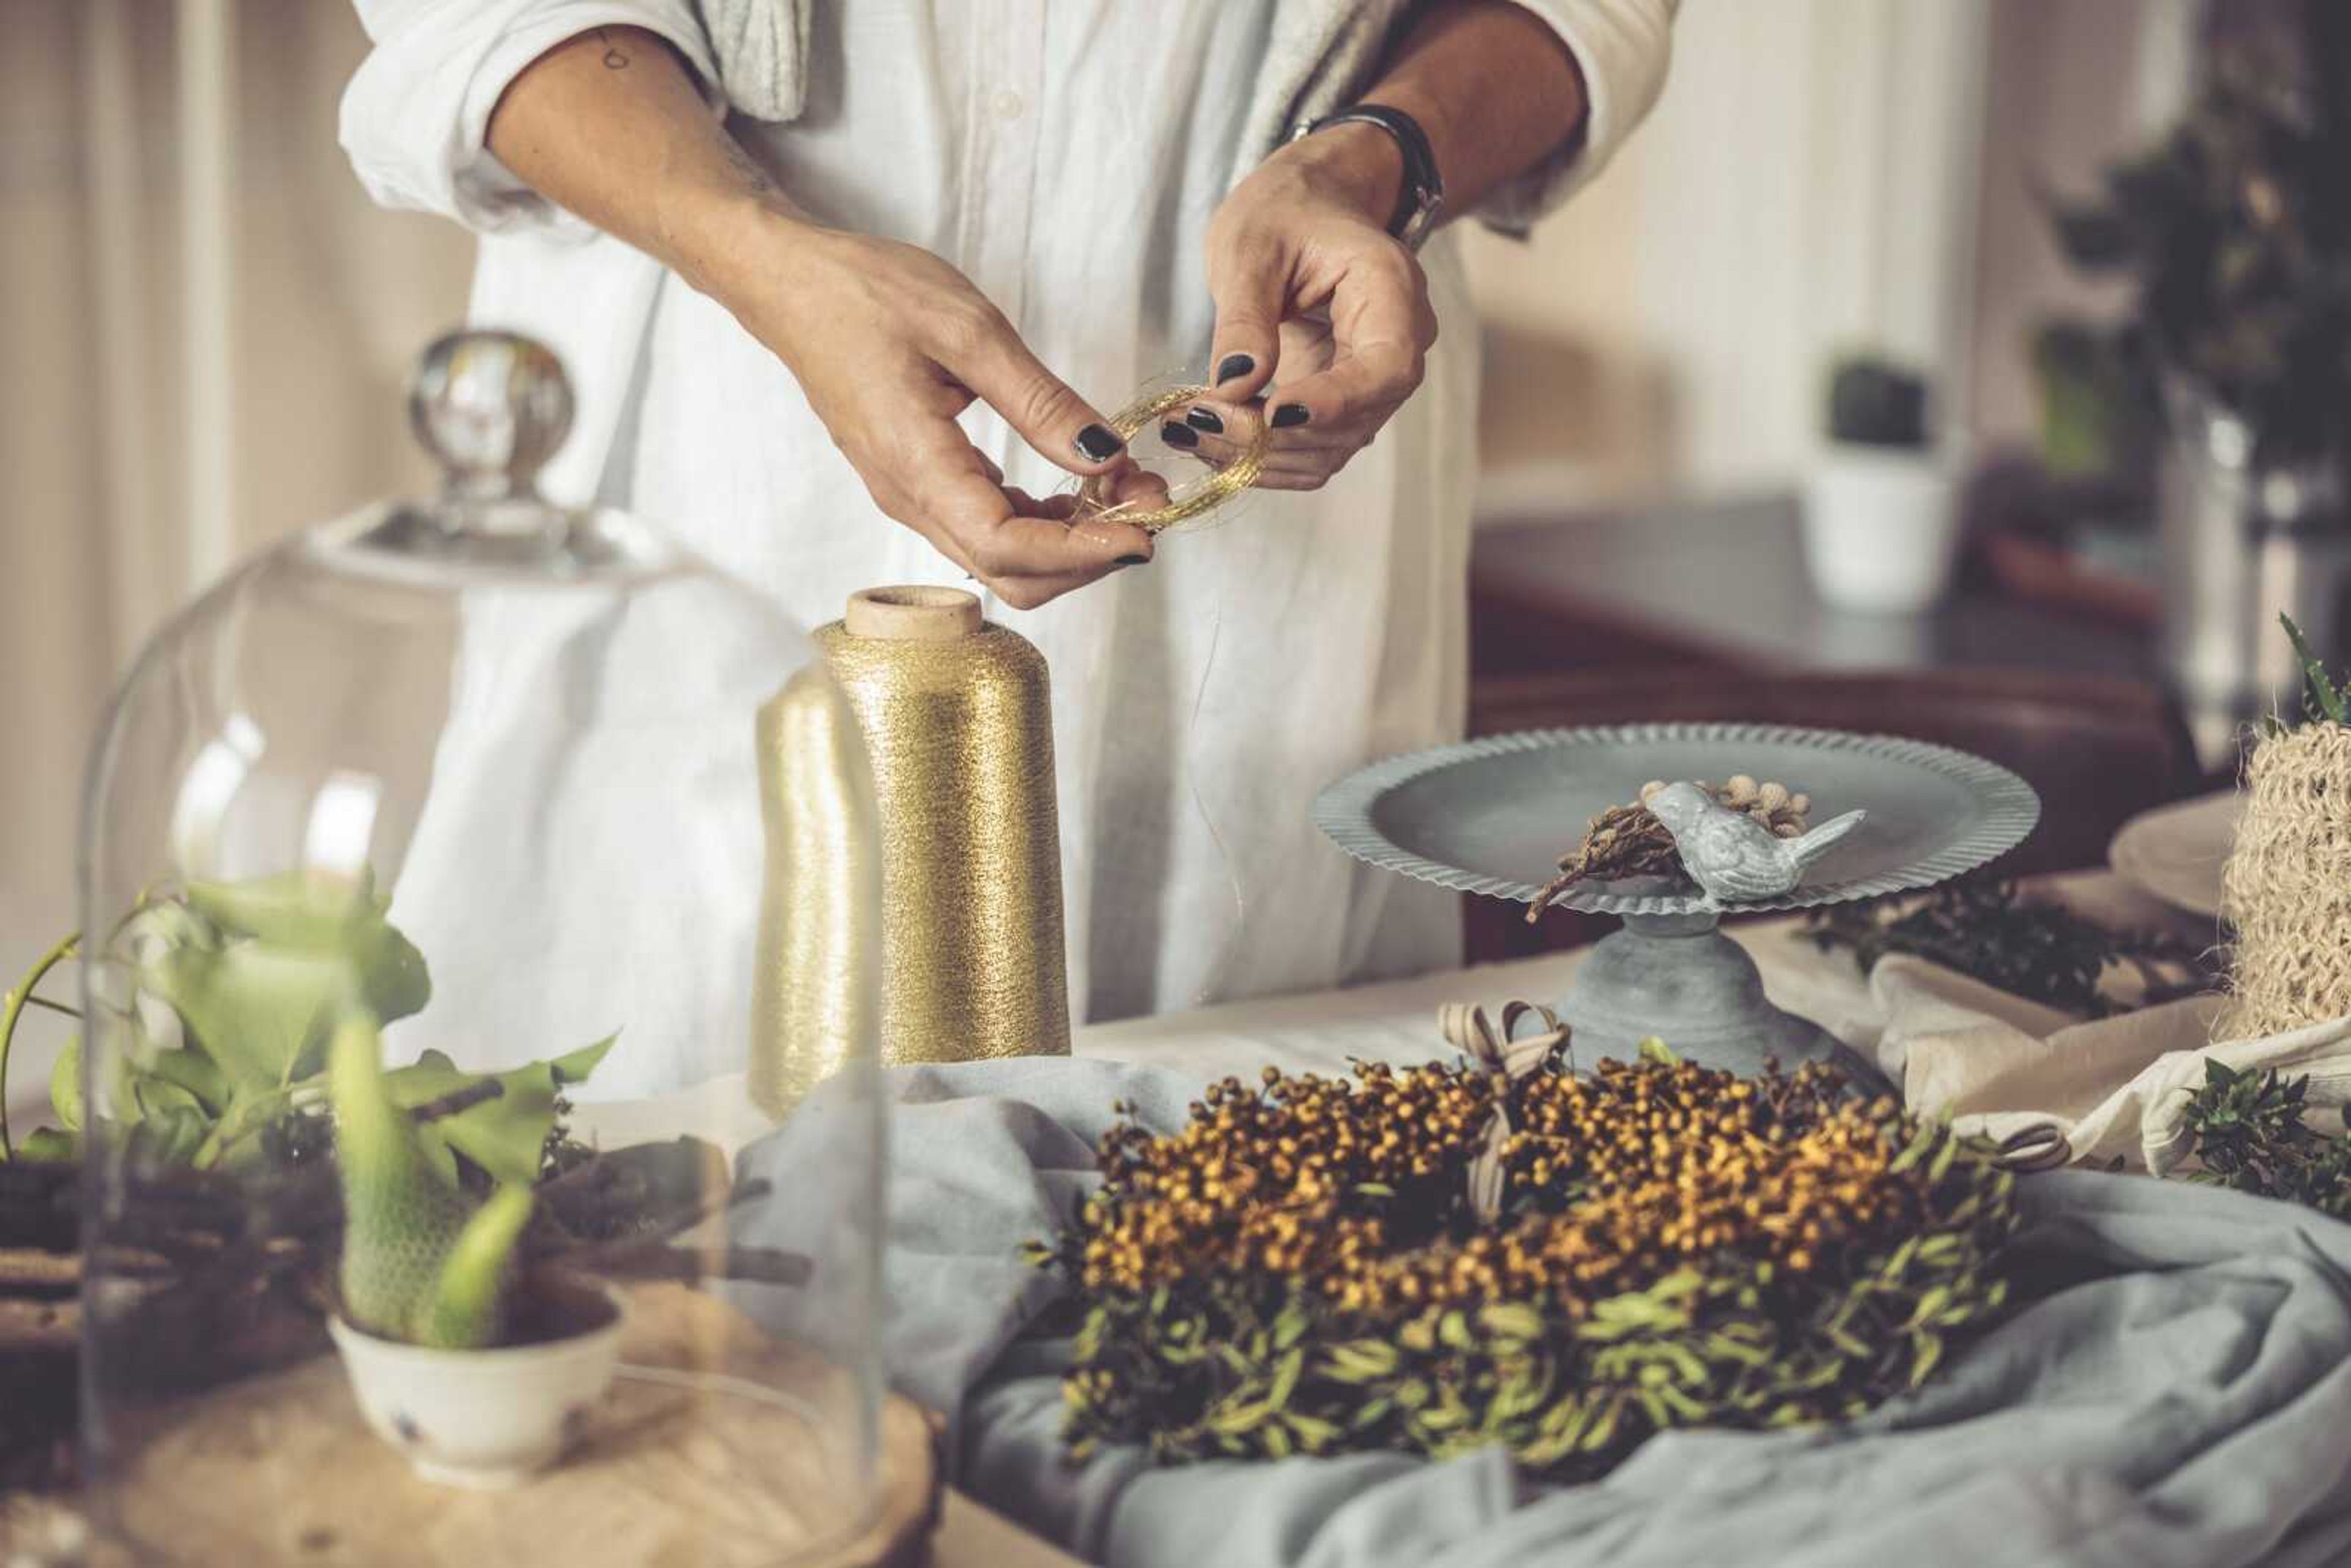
x: 762, y: 50
x: 2175, y: 1393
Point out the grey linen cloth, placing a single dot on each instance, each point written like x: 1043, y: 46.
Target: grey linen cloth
x: 2177, y: 1391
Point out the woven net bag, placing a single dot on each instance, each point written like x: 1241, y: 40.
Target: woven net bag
x: 2286, y: 889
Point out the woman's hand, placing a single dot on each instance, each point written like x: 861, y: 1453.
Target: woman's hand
x: 889, y: 344
x: 1318, y: 310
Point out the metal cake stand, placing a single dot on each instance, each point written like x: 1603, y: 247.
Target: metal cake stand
x: 1493, y: 816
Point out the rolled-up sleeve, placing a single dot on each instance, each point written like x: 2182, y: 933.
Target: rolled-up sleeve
x: 415, y: 117
x: 1623, y: 48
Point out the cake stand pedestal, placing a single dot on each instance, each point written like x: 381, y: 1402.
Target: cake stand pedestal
x: 1484, y: 816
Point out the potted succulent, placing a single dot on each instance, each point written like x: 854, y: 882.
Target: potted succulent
x: 1881, y: 515
x: 478, y: 1375
x: 441, y: 1222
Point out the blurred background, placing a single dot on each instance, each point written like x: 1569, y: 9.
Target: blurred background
x: 1961, y: 367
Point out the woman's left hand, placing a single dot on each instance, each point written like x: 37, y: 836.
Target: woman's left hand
x: 1322, y: 317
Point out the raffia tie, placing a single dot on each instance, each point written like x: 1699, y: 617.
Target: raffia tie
x: 1467, y: 1029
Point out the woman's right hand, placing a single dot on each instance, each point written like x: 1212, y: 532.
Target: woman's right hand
x: 889, y: 344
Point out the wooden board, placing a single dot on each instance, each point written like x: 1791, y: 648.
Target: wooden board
x: 282, y: 1469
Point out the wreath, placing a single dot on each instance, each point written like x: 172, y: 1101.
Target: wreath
x: 1497, y: 1251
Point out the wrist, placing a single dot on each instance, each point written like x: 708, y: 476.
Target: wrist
x: 727, y: 242
x: 1360, y: 164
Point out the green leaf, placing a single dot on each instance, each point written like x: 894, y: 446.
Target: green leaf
x: 576, y: 1067
x: 194, y: 1072
x: 506, y: 1136
x: 261, y: 1014
x: 170, y: 1134
x: 2322, y: 699
x: 1511, y: 1320
x: 305, y: 909
x: 324, y: 915
x: 1314, y: 1433
x: 65, y: 1085
x: 48, y: 1146
x: 468, y: 1308
x: 151, y: 1098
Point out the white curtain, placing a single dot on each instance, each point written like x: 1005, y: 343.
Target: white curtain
x: 204, y: 334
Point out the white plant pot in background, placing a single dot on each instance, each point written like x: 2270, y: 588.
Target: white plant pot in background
x: 1881, y: 526
x: 480, y: 1418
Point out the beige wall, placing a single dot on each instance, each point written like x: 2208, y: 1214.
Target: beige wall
x: 1805, y: 185
x: 1820, y: 176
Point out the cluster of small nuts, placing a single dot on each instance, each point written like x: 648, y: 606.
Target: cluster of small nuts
x: 1629, y: 841
x: 1778, y: 808
x: 1355, y: 1187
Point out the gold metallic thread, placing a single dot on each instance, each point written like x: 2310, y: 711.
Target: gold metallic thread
x: 1201, y: 496
x: 959, y: 734
x: 814, y: 988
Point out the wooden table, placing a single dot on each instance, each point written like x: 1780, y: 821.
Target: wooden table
x: 1325, y: 1031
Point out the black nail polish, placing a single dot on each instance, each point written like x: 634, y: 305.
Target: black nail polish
x: 1288, y: 414
x: 1133, y: 560
x: 1233, y: 365
x: 1179, y: 435
x: 1205, y: 419
x: 1099, y: 444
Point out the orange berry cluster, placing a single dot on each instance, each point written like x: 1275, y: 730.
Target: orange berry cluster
x: 1355, y: 1187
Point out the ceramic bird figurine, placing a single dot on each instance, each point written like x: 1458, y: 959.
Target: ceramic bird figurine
x: 1733, y: 858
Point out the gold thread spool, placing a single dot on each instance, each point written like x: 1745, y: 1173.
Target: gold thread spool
x: 957, y: 725
x: 1208, y: 493
x: 814, y: 988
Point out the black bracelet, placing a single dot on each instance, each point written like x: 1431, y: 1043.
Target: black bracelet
x: 1420, y: 196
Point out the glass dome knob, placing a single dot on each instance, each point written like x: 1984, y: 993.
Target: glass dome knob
x: 492, y: 407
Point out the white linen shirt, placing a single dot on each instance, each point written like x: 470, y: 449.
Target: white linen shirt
x: 1067, y: 156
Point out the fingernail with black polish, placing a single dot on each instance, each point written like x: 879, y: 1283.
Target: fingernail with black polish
x: 1205, y: 419
x: 1288, y: 414
x: 1099, y: 444
x: 1133, y: 560
x: 1182, y: 435
x: 1233, y: 365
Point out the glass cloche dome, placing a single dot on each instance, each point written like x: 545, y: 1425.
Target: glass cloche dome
x: 450, y: 870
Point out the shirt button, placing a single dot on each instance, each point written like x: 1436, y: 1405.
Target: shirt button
x: 1009, y: 104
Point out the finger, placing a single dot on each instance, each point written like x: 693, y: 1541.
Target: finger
x: 1382, y: 326
x: 1304, y: 470
x: 1060, y: 508
x: 1249, y: 278
x: 991, y: 360
x: 1138, y: 487
x: 1301, y: 448
x: 1351, y: 436
x: 1210, y: 426
x: 1018, y: 555
x: 1311, y: 477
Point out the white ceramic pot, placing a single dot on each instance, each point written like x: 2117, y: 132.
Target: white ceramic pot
x: 1881, y: 526
x: 481, y: 1418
